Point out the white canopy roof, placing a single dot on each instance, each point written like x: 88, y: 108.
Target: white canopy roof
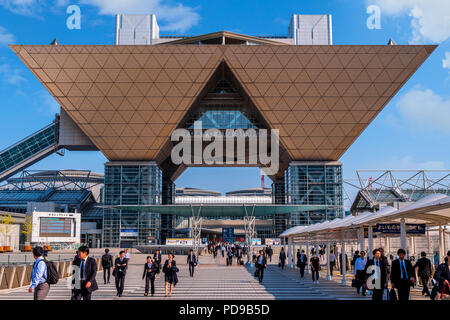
x: 431, y: 210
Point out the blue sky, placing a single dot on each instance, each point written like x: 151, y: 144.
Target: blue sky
x: 412, y: 132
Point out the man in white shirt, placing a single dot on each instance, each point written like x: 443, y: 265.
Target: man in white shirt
x: 332, y: 262
x: 360, y: 275
x: 39, y: 276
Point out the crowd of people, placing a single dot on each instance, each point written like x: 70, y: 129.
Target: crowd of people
x: 372, y: 274
x: 84, y: 281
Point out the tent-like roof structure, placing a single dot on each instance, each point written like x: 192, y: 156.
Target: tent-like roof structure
x: 431, y: 210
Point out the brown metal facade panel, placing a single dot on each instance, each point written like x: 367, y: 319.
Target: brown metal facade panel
x: 129, y: 99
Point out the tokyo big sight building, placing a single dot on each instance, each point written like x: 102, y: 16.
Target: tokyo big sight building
x: 126, y: 100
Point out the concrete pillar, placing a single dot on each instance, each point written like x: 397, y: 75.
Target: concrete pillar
x: 361, y: 239
x: 441, y: 246
x: 307, y: 258
x: 428, y: 243
x: 328, y: 276
x: 403, y: 243
x: 370, y: 241
x: 444, y: 233
x: 11, y: 279
x: 344, y: 266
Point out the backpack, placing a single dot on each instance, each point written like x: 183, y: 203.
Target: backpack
x: 52, y: 272
x: 105, y: 260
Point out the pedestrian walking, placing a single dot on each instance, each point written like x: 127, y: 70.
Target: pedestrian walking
x: 424, y: 272
x: 378, y: 276
x: 360, y: 276
x: 261, y: 263
x: 402, y: 275
x: 282, y: 258
x: 170, y: 274
x: 157, y: 259
x: 120, y: 271
x: 301, y: 262
x: 315, y: 268
x: 150, y: 270
x: 442, y: 277
x: 191, y: 262
x: 39, y: 286
x: 87, y: 274
x: 332, y: 262
x: 107, y: 263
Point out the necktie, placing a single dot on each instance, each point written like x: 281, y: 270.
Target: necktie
x: 82, y: 269
x: 405, y: 274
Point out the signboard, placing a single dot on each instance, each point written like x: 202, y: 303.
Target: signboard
x: 179, y: 241
x: 59, y: 227
x: 394, y: 228
x: 256, y: 241
x: 273, y: 241
x: 128, y: 232
x: 228, y: 235
x: 55, y: 227
x: 205, y: 240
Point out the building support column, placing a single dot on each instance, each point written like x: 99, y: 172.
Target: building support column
x: 344, y: 265
x: 308, y: 253
x: 249, y: 226
x: 361, y: 239
x: 328, y: 276
x: 403, y: 243
x: 196, y: 228
x: 441, y: 246
x: 370, y: 241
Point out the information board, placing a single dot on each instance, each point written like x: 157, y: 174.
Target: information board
x: 55, y: 227
x: 228, y: 235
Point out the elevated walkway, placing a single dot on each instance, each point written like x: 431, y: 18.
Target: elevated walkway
x: 28, y: 151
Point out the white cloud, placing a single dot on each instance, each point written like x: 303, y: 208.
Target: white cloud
x: 426, y: 110
x: 33, y: 7
x: 446, y: 61
x: 11, y: 75
x: 175, y: 16
x: 6, y: 37
x: 430, y: 18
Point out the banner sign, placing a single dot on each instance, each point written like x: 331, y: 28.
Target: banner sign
x: 228, y: 235
x: 256, y: 241
x: 180, y: 241
x: 394, y: 228
x: 273, y: 241
x: 128, y: 232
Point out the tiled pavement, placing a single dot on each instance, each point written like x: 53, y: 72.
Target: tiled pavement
x: 212, y: 280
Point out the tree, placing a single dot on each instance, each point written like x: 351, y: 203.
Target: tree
x: 27, y: 228
x: 7, y: 222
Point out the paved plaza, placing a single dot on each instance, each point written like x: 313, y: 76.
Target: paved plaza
x: 213, y: 280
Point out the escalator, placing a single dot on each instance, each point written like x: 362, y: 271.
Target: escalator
x: 29, y: 150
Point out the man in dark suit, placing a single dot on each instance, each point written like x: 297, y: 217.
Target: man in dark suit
x: 261, y: 263
x: 120, y: 271
x: 282, y: 258
x: 107, y: 263
x: 402, y: 275
x: 378, y: 276
x: 88, y: 272
x: 157, y: 259
x: 301, y: 262
x: 192, y: 262
x: 424, y: 272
